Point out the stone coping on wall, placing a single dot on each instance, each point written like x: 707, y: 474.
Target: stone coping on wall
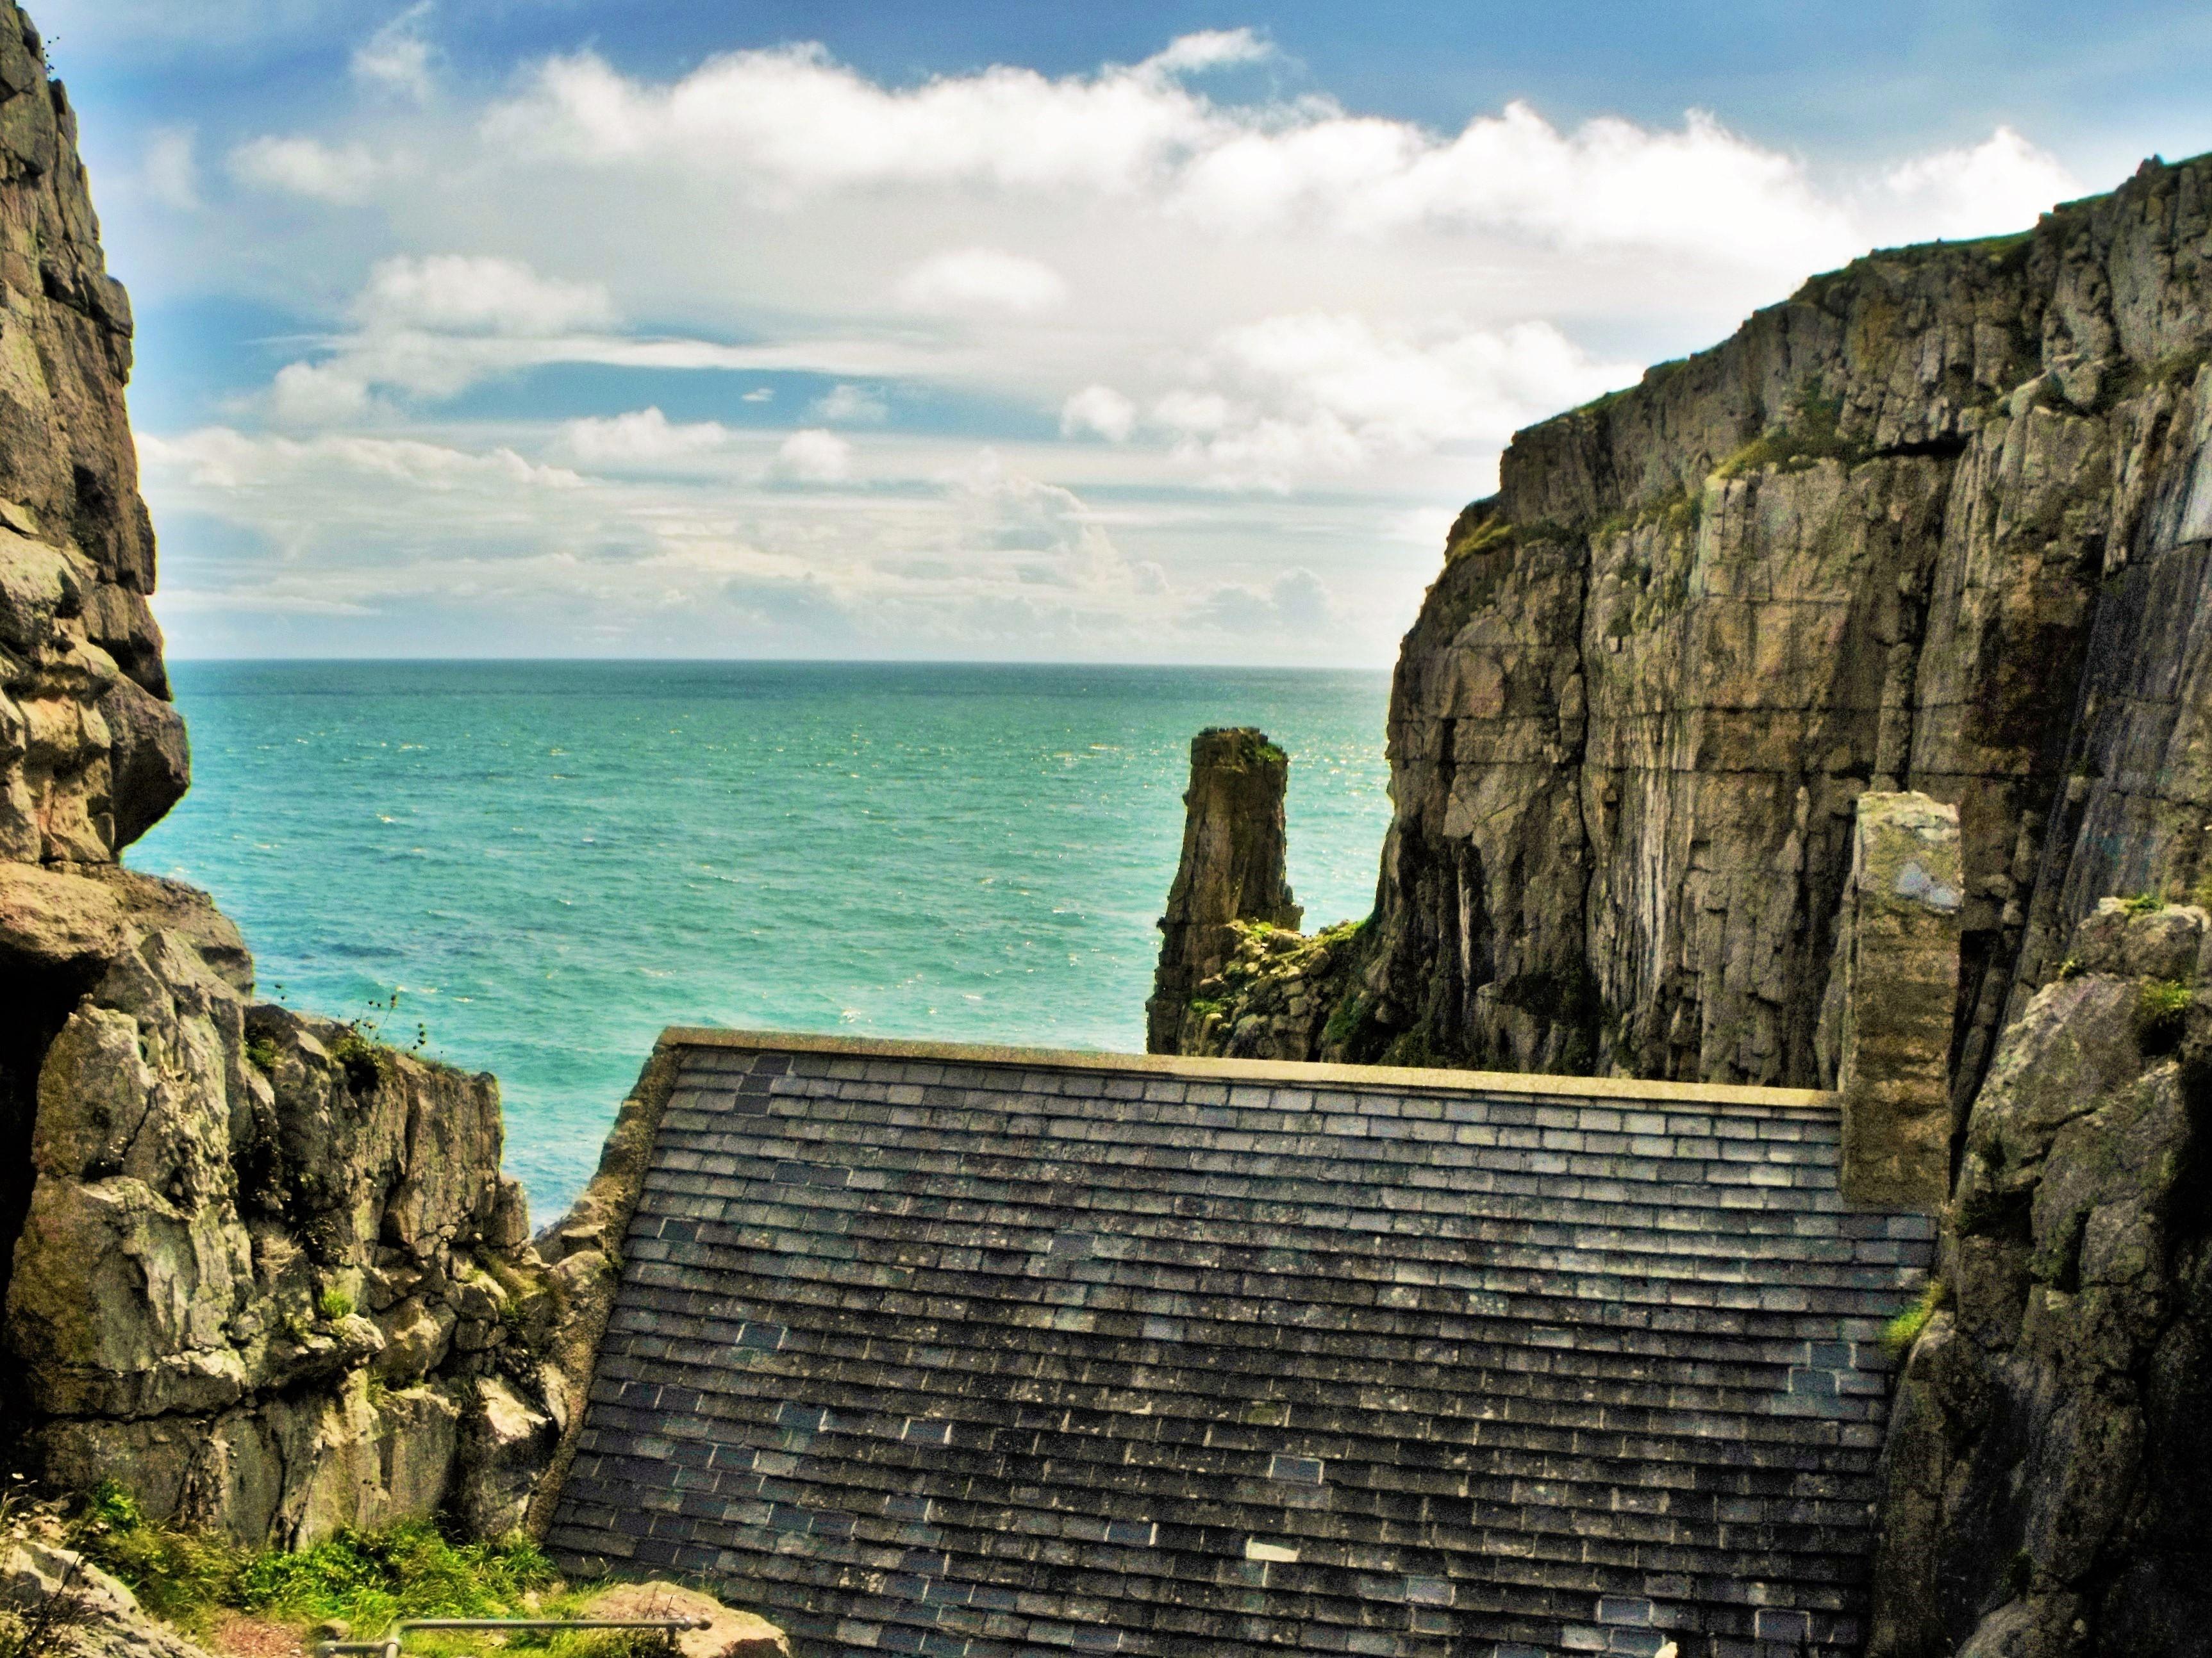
x: 940, y: 1349
x: 1422, y: 1077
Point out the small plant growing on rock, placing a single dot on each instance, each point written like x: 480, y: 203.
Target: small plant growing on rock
x: 36, y: 1621
x: 334, y: 1305
x: 261, y: 1053
x: 2068, y: 969
x: 2143, y: 903
x: 2161, y: 1012
x: 1901, y: 1332
x: 362, y: 1052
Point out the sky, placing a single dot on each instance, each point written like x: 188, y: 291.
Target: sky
x: 1163, y: 331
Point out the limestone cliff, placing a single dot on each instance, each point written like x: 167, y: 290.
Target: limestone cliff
x: 1939, y: 522
x: 255, y: 1265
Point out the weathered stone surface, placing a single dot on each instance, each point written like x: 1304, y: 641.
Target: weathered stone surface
x: 584, y: 1250
x: 1939, y: 523
x: 90, y: 752
x: 728, y: 1633
x: 1231, y: 871
x: 1891, y: 1001
x: 2045, y: 1471
x: 252, y: 1264
x: 239, y: 1215
x: 108, y: 1621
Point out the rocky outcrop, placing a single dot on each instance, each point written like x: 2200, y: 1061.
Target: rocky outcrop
x: 1941, y: 522
x: 2050, y: 1449
x: 259, y: 1268
x: 583, y: 1252
x: 1231, y: 873
x: 91, y: 753
x: 57, y: 1601
x: 266, y: 1270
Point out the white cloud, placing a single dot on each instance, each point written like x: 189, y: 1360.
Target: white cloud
x: 171, y: 169
x: 1099, y: 409
x: 851, y: 404
x: 792, y: 118
x: 1278, y: 400
x: 1297, y: 603
x: 396, y: 59
x: 317, y: 394
x: 792, y: 123
x: 1303, y: 331
x: 813, y: 455
x: 1208, y: 49
x: 642, y: 437
x: 981, y: 279
x: 342, y: 174
x: 463, y: 293
x: 223, y: 458
x: 1999, y: 184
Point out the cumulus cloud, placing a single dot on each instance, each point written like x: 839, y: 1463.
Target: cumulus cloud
x: 2001, y: 184
x: 813, y: 455
x: 1280, y: 399
x: 1100, y: 410
x: 317, y: 394
x: 464, y: 293
x: 793, y: 122
x: 1269, y: 331
x: 1297, y: 602
x: 851, y: 405
x: 981, y: 279
x: 396, y: 59
x: 1209, y: 49
x: 642, y: 437
x: 341, y: 174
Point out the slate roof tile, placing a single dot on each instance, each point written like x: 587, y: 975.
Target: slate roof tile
x: 997, y: 1356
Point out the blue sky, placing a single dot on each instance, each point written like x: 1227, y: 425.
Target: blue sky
x: 1146, y: 332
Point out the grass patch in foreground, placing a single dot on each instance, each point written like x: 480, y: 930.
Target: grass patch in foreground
x: 365, y: 1579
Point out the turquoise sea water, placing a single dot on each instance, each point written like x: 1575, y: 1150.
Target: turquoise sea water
x: 551, y: 861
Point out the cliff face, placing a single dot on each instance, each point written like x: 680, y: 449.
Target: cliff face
x: 1939, y: 522
x: 252, y: 1264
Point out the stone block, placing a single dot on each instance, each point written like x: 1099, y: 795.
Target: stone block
x: 1893, y: 1000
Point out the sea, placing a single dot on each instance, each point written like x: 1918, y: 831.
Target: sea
x: 546, y: 863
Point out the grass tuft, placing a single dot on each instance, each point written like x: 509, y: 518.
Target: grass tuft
x: 365, y: 1579
x: 2161, y: 1012
x: 1901, y: 1332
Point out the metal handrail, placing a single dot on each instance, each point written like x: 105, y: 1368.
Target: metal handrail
x: 389, y: 1644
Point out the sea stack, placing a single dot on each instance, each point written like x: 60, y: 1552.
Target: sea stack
x: 1231, y: 870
